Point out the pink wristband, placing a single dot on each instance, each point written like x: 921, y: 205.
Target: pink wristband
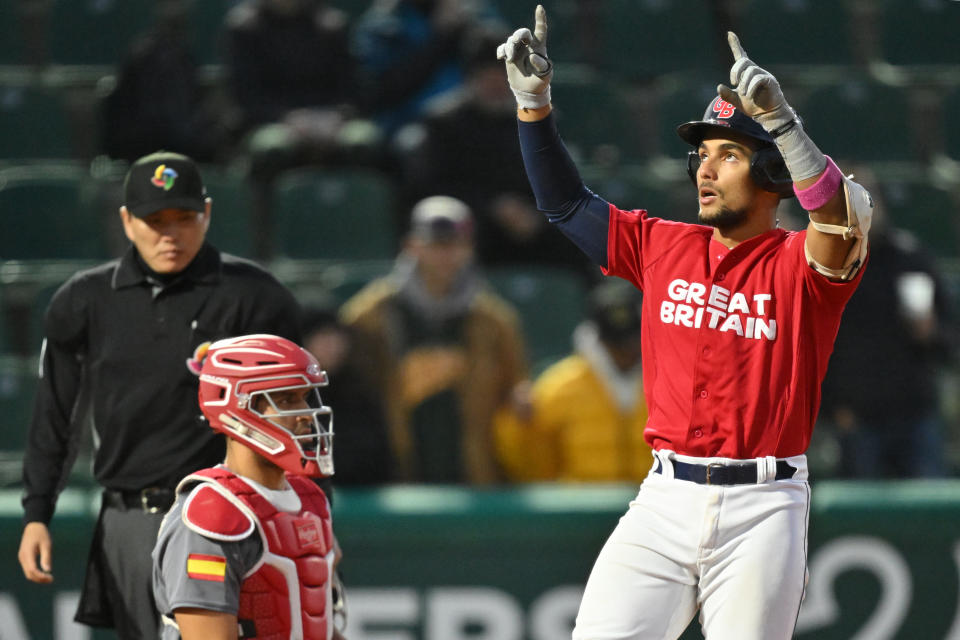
x: 820, y: 192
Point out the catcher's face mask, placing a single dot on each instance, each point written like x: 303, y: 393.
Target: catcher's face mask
x: 263, y: 391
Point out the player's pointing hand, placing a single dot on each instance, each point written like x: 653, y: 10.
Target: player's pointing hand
x: 756, y: 92
x: 735, y: 46
x: 529, y: 70
x: 540, y: 26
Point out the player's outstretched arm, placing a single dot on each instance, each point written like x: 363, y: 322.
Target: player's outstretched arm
x: 560, y: 193
x: 836, y: 236
x: 529, y: 70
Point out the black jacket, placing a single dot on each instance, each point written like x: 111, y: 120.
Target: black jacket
x: 115, y: 356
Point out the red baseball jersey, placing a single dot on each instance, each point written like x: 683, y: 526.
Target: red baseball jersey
x: 735, y: 341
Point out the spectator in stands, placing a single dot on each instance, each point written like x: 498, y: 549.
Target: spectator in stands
x: 583, y: 419
x: 158, y: 101
x: 481, y: 164
x: 292, y: 80
x: 447, y: 352
x: 409, y: 53
x: 363, y: 455
x: 898, y: 335
x: 283, y: 56
x: 118, y: 338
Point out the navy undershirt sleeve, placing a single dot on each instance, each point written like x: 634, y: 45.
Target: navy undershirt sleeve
x: 579, y: 213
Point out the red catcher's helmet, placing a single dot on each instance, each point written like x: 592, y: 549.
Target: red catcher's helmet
x: 237, y: 380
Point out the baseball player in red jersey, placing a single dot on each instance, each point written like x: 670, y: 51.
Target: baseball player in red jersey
x: 738, y: 322
x: 247, y: 550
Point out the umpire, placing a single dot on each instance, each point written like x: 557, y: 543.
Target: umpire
x: 119, y: 336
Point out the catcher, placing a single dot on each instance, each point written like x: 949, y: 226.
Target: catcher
x: 247, y: 550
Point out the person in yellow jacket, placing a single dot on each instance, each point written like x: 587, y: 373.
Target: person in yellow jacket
x: 583, y: 418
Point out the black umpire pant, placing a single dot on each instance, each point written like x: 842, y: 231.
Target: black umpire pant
x: 118, y: 587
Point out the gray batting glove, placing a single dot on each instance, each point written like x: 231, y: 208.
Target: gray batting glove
x: 757, y: 93
x: 529, y: 70
x: 759, y: 96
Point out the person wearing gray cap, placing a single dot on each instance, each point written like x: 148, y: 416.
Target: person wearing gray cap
x: 446, y: 352
x: 118, y: 338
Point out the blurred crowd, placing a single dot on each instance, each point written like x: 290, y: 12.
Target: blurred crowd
x: 432, y: 378
x: 303, y: 86
x: 424, y: 358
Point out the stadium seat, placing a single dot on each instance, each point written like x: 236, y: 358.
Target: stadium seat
x: 550, y: 302
x: 920, y: 32
x: 328, y: 284
x: 96, y: 32
x: 859, y: 119
x: 795, y: 32
x: 328, y: 214
x: 342, y: 281
x: 206, y: 28
x: 231, y: 221
x: 948, y: 123
x: 33, y: 123
x: 46, y: 214
x: 18, y: 383
x: 592, y: 113
x: 645, y: 38
x: 11, y: 33
x: 930, y: 213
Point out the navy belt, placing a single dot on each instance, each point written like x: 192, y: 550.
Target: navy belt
x: 723, y: 474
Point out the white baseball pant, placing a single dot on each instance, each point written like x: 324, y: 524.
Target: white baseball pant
x: 738, y: 553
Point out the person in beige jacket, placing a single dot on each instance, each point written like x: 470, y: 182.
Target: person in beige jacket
x: 445, y: 351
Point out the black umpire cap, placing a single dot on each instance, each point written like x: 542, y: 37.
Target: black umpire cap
x: 163, y: 180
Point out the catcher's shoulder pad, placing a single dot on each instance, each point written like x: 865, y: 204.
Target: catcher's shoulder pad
x: 214, y: 513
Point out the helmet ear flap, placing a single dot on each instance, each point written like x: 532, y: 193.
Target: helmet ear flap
x: 693, y: 164
x: 770, y: 172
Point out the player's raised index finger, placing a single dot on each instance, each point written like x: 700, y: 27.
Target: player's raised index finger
x: 735, y: 46
x: 540, y: 25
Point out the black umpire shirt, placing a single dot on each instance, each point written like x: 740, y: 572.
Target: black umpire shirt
x: 123, y: 338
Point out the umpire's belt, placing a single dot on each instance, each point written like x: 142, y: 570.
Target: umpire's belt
x: 723, y: 474
x: 149, y: 500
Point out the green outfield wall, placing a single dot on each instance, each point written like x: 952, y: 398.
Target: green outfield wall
x: 438, y: 563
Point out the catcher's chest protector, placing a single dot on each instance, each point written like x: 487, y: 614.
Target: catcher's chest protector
x: 288, y: 596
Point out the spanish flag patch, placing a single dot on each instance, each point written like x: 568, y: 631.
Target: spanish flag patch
x: 204, y: 567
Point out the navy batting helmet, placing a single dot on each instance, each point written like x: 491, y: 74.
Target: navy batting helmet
x: 766, y: 167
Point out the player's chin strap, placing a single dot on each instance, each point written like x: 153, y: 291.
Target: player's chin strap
x: 859, y: 216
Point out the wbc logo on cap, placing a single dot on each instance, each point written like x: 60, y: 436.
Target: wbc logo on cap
x: 723, y: 109
x: 164, y: 177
